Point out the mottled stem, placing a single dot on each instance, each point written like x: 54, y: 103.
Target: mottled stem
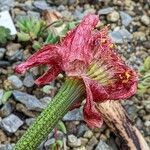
x: 118, y: 121
x: 70, y: 92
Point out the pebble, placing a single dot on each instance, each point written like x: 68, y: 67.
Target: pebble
x: 34, y: 14
x: 1, y: 95
x: 73, y: 115
x: 145, y: 20
x: 45, y: 100
x: 29, y: 121
x: 120, y: 36
x: 105, y: 11
x: 28, y: 80
x: 88, y: 134
x: 83, y: 141
x: 113, y: 16
x: 11, y: 123
x: 48, y: 144
x: 2, y: 52
x: 126, y: 19
x: 102, y: 146
x: 73, y: 141
x: 92, y: 143
x: 15, y: 81
x: 147, y: 108
x: 40, y: 4
x: 31, y: 102
x: 3, y: 137
x: 147, y: 123
x: 13, y: 52
x: 82, y: 128
x: 6, y: 109
x: 6, y: 146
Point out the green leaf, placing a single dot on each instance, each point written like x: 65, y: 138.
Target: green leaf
x: 6, y: 96
x: 23, y: 36
x: 51, y: 38
x: 4, y: 34
x: 147, y: 63
x: 61, y: 127
x: 58, y: 143
x: 36, y: 45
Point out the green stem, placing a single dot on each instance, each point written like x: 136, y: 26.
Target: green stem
x: 70, y: 92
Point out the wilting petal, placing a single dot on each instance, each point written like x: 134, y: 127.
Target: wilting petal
x: 91, y: 115
x: 48, y: 76
x: 47, y: 55
x: 77, y: 44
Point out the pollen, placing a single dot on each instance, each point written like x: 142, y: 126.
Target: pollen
x: 126, y: 77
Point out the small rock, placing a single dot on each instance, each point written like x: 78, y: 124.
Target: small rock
x: 15, y: 81
x: 45, y: 100
x: 73, y: 115
x: 83, y: 141
x: 28, y: 80
x: 102, y: 146
x: 2, y: 52
x: 147, y: 123
x: 31, y: 102
x: 6, y: 109
x: 147, y: 108
x: 113, y: 16
x: 11, y: 123
x: 81, y: 129
x: 80, y: 148
x: 6, y: 147
x: 91, y: 144
x: 139, y: 36
x: 126, y: 19
x: 145, y: 20
x: 48, y: 144
x: 1, y: 95
x: 88, y: 134
x: 120, y: 36
x: 34, y: 14
x: 41, y: 5
x: 29, y: 121
x: 73, y: 141
x: 13, y: 52
x: 105, y: 11
x: 3, y: 137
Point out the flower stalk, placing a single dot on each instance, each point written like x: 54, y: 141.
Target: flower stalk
x: 69, y: 93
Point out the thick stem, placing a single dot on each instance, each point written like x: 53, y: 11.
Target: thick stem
x: 70, y: 92
x: 118, y: 121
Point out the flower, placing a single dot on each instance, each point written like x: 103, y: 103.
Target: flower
x: 87, y: 54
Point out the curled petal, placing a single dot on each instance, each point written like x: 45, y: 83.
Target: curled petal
x: 47, y: 55
x: 91, y: 115
x: 77, y: 43
x: 50, y: 75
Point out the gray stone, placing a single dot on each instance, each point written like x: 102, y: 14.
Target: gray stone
x: 29, y: 121
x: 105, y: 11
x: 78, y: 15
x: 73, y: 141
x: 1, y: 95
x: 40, y: 4
x: 2, y: 52
x: 102, y: 146
x: 34, y: 14
x: 31, y: 102
x: 81, y: 129
x: 126, y: 19
x: 15, y: 81
x: 7, y: 3
x: 113, y: 16
x: 145, y: 20
x: 61, y: 8
x: 73, y: 115
x: 120, y: 36
x: 147, y: 108
x: 28, y: 80
x: 48, y: 144
x: 6, y: 109
x: 45, y: 100
x: 6, y: 146
x: 92, y: 143
x: 11, y: 123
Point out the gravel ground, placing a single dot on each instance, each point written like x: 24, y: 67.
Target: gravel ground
x: 129, y: 28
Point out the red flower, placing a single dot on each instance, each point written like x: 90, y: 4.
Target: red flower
x: 87, y: 54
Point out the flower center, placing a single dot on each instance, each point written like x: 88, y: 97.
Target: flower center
x: 100, y: 72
